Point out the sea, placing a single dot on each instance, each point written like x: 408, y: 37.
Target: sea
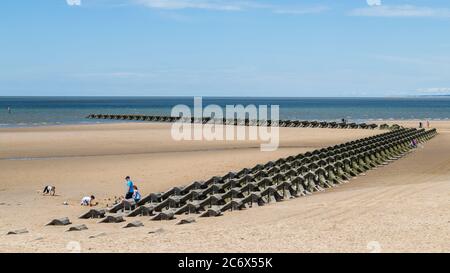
x: 48, y: 111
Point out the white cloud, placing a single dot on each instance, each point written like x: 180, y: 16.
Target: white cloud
x: 401, y: 11
x: 115, y: 75
x: 406, y: 60
x: 300, y: 11
x: 228, y: 5
x: 435, y: 90
x: 73, y: 2
x: 190, y: 4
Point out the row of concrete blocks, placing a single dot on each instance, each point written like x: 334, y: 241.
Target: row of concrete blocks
x: 283, y: 179
x: 240, y: 122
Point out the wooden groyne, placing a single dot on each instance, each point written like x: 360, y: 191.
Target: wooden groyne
x: 242, y: 122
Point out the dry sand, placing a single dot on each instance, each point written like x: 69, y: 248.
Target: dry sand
x: 404, y: 206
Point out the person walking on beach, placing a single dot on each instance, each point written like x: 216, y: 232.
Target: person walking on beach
x: 130, y: 188
x: 9, y: 110
x: 428, y: 124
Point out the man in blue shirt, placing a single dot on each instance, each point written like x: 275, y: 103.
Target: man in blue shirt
x: 130, y: 188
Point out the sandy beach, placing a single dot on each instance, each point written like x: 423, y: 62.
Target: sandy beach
x: 402, y: 207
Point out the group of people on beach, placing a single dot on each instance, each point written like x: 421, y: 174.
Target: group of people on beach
x: 421, y: 124
x: 132, y: 190
x: 132, y: 193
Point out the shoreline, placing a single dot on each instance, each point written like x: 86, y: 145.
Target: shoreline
x: 98, y: 122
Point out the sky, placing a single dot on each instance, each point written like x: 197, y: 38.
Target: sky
x: 224, y: 48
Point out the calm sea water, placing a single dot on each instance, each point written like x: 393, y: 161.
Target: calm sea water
x: 38, y: 111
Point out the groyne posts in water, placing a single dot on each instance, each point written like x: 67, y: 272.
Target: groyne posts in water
x: 242, y: 122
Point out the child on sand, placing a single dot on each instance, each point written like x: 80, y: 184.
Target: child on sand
x: 88, y: 201
x: 136, y: 194
x: 51, y: 190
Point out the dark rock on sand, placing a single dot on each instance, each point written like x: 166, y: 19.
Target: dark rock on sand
x: 94, y: 213
x: 134, y: 224
x: 164, y: 215
x: 78, y: 228
x: 186, y: 221
x: 112, y: 219
x: 60, y: 222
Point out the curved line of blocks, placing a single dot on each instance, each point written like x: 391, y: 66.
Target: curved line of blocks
x: 278, y: 180
x: 243, y: 122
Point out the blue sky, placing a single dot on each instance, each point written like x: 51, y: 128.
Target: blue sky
x: 224, y: 48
